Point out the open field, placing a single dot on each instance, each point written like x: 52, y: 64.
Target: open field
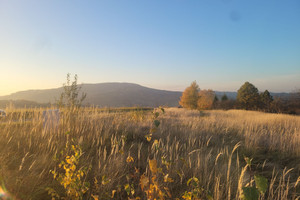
x: 207, y: 145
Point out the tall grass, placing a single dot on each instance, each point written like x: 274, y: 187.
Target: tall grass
x: 208, y: 145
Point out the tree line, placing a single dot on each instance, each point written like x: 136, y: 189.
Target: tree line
x: 248, y: 98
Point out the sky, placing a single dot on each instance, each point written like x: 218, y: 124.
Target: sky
x: 163, y: 44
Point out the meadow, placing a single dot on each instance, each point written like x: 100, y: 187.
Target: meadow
x: 149, y: 154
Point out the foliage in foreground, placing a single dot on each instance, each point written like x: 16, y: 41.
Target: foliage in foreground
x: 69, y: 175
x: 153, y: 183
x: 182, y: 154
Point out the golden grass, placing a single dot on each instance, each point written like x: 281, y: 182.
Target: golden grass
x: 208, y: 145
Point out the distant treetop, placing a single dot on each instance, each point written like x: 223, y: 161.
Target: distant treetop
x: 248, y: 96
x: 189, y: 97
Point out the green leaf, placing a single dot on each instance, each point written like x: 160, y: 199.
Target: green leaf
x: 156, y: 114
x: 261, y: 183
x: 156, y: 123
x: 193, y: 180
x: 132, y: 189
x: 105, y: 180
x: 127, y: 189
x: 209, y: 197
x: 250, y: 193
x: 248, y: 160
x: 188, y: 182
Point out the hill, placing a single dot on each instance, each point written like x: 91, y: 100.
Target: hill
x: 106, y: 95
x: 113, y: 95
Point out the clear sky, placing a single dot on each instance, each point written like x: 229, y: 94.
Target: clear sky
x: 164, y: 44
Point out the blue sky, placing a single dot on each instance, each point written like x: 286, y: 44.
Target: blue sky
x: 164, y: 44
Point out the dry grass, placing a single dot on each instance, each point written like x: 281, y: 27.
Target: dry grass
x: 209, y: 145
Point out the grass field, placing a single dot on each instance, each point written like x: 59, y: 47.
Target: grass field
x: 208, y: 145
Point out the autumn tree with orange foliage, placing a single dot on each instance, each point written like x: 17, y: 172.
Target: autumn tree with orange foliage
x: 189, y: 97
x: 206, y: 99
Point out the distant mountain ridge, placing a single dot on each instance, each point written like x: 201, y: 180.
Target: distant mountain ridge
x: 106, y: 95
x: 114, y: 95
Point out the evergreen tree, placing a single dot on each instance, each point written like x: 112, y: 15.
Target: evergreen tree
x: 189, y: 97
x: 216, y: 99
x: 224, y: 98
x: 266, y: 100
x: 248, y: 97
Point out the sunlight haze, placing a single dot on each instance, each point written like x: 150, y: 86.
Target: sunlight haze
x: 158, y: 44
